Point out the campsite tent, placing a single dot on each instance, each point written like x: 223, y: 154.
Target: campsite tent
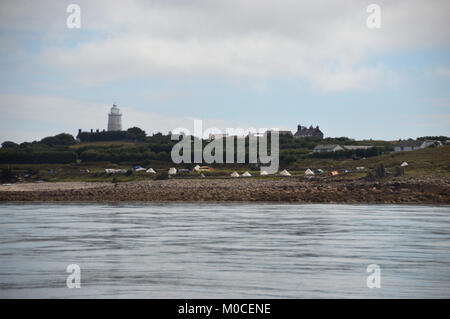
x: 172, y: 171
x: 140, y: 169
x: 285, y: 173
x: 246, y: 174
x: 309, y: 172
x: 197, y: 167
x: 234, y: 174
x: 404, y: 164
x: 151, y: 170
x: 319, y: 171
x: 263, y: 173
x: 333, y: 173
x: 137, y: 167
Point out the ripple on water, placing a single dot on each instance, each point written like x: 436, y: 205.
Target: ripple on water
x: 224, y: 250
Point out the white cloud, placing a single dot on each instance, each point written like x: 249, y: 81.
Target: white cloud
x: 326, y: 42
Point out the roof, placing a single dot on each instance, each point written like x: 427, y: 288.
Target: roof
x: 326, y: 146
x: 430, y: 142
x: 409, y: 143
x: 356, y: 147
x: 304, y: 131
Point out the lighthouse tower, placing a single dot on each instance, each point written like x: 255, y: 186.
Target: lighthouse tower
x: 115, y: 119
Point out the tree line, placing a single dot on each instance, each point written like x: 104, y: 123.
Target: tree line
x: 61, y: 148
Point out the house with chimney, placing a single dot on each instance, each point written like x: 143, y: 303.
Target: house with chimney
x: 303, y: 131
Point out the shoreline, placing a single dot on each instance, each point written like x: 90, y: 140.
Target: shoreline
x: 285, y: 190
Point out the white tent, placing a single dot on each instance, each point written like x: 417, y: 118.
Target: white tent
x: 234, y: 174
x: 309, y: 172
x: 151, y: 170
x: 140, y: 169
x: 246, y: 174
x: 197, y: 167
x: 263, y: 173
x: 404, y: 164
x: 172, y: 171
x: 285, y: 173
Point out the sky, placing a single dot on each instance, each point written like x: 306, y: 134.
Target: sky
x: 232, y: 64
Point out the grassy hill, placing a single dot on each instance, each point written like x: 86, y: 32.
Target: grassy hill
x: 429, y: 162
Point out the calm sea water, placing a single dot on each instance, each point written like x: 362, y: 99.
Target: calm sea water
x: 224, y: 250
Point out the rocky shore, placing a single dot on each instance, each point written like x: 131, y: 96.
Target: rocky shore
x: 419, y: 191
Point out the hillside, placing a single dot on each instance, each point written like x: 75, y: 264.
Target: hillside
x: 430, y: 162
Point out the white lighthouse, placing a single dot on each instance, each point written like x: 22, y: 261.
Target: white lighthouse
x: 115, y: 119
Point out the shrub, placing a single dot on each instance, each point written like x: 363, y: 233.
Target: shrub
x: 370, y: 176
x: 399, y: 171
x: 9, y: 144
x: 162, y: 176
x: 129, y: 172
x: 37, y: 157
x: 7, y: 175
x: 146, y: 163
x: 380, y: 171
x: 60, y: 139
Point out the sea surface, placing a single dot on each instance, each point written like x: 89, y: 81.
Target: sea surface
x: 224, y: 250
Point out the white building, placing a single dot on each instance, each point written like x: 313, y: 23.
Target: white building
x: 429, y: 143
x: 356, y: 147
x: 327, y: 148
x: 115, y: 119
x: 410, y: 145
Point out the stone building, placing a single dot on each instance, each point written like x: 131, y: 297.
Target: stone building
x: 303, y: 131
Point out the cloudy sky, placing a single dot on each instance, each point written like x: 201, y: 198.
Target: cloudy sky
x: 246, y: 63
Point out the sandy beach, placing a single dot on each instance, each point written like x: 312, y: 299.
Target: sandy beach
x: 423, y: 191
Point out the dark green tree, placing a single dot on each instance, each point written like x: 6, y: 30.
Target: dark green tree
x: 9, y: 144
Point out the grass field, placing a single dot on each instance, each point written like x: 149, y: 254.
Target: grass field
x: 430, y: 162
